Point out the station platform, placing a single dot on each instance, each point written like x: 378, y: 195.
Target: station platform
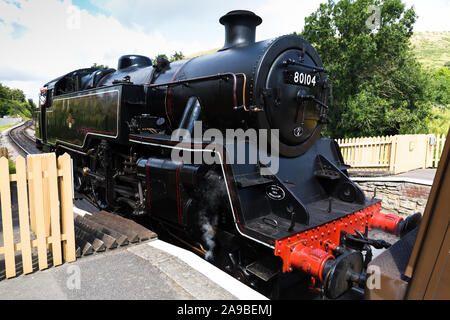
x: 418, y: 176
x: 151, y: 270
x: 145, y: 270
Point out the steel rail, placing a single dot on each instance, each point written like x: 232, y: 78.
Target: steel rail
x: 13, y: 136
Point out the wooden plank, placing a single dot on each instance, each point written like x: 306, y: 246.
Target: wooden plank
x: 31, y: 195
x: 97, y: 244
x: 121, y: 239
x: 392, y: 154
x: 67, y: 223
x: 143, y: 233
x: 54, y: 208
x: 86, y: 225
x: 360, y: 151
x: 34, y: 244
x: 373, y: 154
x: 39, y: 209
x: 435, y: 152
x: 350, y: 148
x: 24, y: 222
x: 352, y: 161
x: 115, y: 225
x: 441, y: 147
x: 7, y: 224
x: 45, y: 193
x: 85, y: 246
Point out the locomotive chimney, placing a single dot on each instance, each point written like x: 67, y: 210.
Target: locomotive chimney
x: 240, y: 27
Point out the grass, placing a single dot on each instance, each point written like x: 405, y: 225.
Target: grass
x: 12, y: 165
x: 202, y: 53
x: 440, y: 120
x: 432, y: 48
x: 6, y: 126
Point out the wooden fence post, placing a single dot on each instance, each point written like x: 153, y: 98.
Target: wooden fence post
x: 36, y: 190
x: 21, y: 174
x: 31, y: 194
x: 7, y: 224
x: 392, y: 152
x: 67, y: 223
x: 50, y: 166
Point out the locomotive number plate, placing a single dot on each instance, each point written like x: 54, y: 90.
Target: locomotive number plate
x: 300, y: 78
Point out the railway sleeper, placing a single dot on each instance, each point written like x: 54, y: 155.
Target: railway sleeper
x: 115, y: 225
x: 97, y: 245
x: 86, y: 225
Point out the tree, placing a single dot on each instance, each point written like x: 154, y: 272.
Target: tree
x: 377, y: 86
x: 4, y: 107
x: 177, y: 56
x: 12, y: 102
x: 438, y: 93
x: 439, y: 86
x: 174, y: 57
x: 99, y: 66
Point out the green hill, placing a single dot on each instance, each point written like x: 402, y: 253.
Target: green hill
x: 202, y: 53
x: 432, y: 48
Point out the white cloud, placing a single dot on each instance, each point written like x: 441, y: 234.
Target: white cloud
x: 283, y: 17
x: 199, y: 19
x: 432, y: 15
x: 42, y: 40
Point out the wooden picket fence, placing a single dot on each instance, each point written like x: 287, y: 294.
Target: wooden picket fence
x: 436, y: 143
x: 371, y: 152
x: 392, y: 154
x: 45, y: 203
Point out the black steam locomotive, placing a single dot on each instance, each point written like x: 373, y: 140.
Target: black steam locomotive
x: 302, y: 219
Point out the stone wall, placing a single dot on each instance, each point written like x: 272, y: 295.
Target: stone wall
x: 402, y: 198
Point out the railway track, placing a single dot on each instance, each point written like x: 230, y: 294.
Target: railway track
x: 24, y: 143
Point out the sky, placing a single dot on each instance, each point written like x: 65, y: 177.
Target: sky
x: 43, y: 39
